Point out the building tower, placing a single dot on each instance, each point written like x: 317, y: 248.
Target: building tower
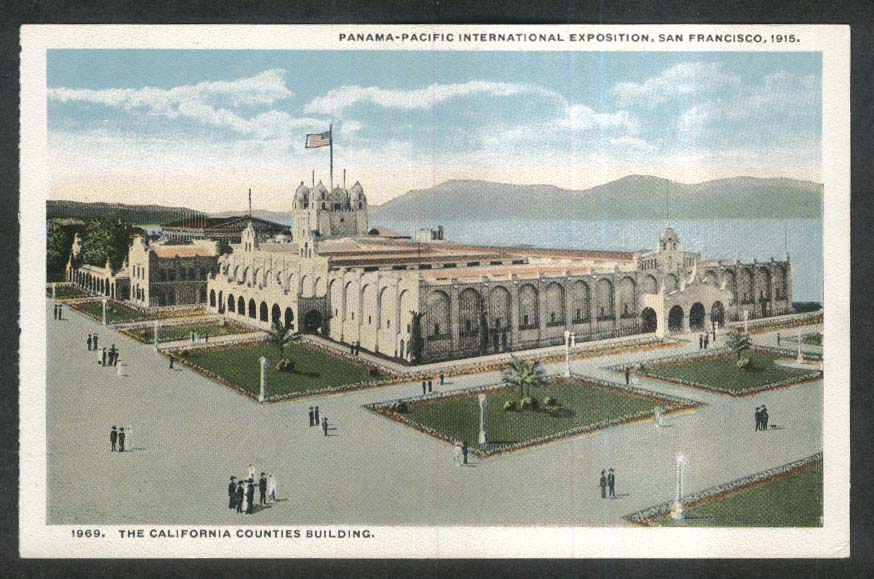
x: 320, y: 214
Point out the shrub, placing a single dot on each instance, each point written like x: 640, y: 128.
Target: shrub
x: 550, y: 401
x: 399, y: 407
x: 529, y: 403
x: 743, y: 364
x: 285, y: 365
x: 510, y: 405
x: 374, y: 373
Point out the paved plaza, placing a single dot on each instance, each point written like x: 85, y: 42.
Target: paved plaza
x: 188, y: 435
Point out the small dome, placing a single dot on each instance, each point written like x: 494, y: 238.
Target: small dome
x: 320, y: 191
x: 301, y: 194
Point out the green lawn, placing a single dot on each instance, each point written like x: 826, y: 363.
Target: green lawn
x: 812, y: 339
x: 582, y: 406
x: 66, y: 291
x: 793, y: 501
x: 314, y: 370
x: 119, y: 313
x: 720, y: 373
x: 183, y: 331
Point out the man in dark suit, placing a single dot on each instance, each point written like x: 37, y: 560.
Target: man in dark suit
x: 627, y: 376
x: 312, y: 415
x: 232, y: 493
x: 700, y: 342
x: 442, y: 378
x: 603, y: 485
x: 611, y: 484
x: 121, y: 440
x: 315, y: 415
x: 113, y: 437
x: 325, y: 426
x: 758, y: 418
x: 262, y: 489
x: 94, y: 341
x: 88, y: 341
x: 424, y: 387
x: 239, y: 497
x: 250, y: 497
x: 764, y: 418
x: 464, y: 451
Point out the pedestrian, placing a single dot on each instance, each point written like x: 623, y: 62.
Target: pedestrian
x: 627, y: 376
x: 611, y: 484
x: 714, y: 334
x: 232, y: 493
x: 758, y: 418
x: 113, y: 438
x: 55, y: 310
x: 352, y: 349
x: 700, y: 342
x: 271, y: 487
x: 121, y: 436
x: 603, y: 483
x: 424, y: 387
x: 171, y: 361
x: 99, y: 357
x: 442, y: 378
x: 103, y: 357
x: 112, y: 352
x: 430, y: 386
x: 206, y: 339
x: 262, y: 489
x: 95, y: 341
x: 778, y: 338
x: 117, y: 367
x: 240, y: 497
x: 315, y: 415
x: 764, y: 418
x: 312, y: 416
x: 464, y: 451
x: 60, y: 311
x: 250, y: 497
x: 89, y: 342
x: 325, y: 426
x: 706, y: 341
x: 457, y: 449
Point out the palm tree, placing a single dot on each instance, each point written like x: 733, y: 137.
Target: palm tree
x: 523, y: 374
x: 739, y: 342
x: 281, y: 337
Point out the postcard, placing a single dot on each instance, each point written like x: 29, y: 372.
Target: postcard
x: 435, y: 291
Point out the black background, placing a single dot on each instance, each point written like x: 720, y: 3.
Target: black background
x: 860, y: 15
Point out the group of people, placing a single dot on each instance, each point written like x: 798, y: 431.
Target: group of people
x: 761, y: 418
x: 59, y: 312
x: 428, y: 385
x: 117, y: 436
x: 704, y: 340
x: 355, y: 348
x: 314, y: 419
x: 241, y: 493
x: 105, y: 357
x: 608, y: 484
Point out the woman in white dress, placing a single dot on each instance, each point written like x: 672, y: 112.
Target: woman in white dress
x: 251, y: 473
x: 245, y: 498
x: 457, y: 448
x: 271, y: 487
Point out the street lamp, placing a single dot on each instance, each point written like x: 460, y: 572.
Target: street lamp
x: 677, y: 511
x: 568, y: 339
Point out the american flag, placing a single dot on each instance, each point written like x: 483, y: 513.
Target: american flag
x: 318, y: 140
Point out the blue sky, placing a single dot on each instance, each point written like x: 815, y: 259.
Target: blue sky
x: 201, y: 127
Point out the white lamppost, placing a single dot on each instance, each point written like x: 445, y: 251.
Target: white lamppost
x: 262, y: 395
x: 746, y: 321
x: 677, y: 511
x: 798, y: 337
x: 567, y: 353
x: 483, y: 421
x: 157, y: 332
x: 54, y: 289
x: 104, y: 312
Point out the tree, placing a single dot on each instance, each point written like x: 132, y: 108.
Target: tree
x: 59, y: 243
x: 523, y: 374
x: 107, y: 240
x: 484, y: 332
x: 280, y: 337
x: 417, y: 342
x: 739, y: 342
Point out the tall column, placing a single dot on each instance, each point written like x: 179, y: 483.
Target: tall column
x: 454, y: 316
x: 567, y: 354
x: 514, y: 312
x: 157, y: 332
x: 262, y: 395
x: 105, y: 317
x: 483, y: 419
x: 541, y: 309
x: 677, y: 511
x: 54, y: 290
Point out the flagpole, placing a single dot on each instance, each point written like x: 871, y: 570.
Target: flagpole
x: 331, y: 145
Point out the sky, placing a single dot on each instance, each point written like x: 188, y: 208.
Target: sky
x: 199, y: 128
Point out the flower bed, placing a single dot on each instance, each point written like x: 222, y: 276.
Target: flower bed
x: 121, y: 313
x: 66, y: 292
x: 237, y: 368
x: 660, y: 514
x: 714, y: 370
x: 583, y: 406
x: 762, y: 325
x: 180, y: 330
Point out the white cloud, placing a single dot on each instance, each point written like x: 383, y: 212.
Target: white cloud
x: 632, y: 144
x: 214, y: 103
x: 680, y: 80
x: 337, y: 100
x: 580, y: 117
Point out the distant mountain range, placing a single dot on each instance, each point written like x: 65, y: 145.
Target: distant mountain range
x: 133, y: 214
x: 631, y: 197
x: 280, y: 217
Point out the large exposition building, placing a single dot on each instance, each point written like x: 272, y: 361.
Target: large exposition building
x: 337, y: 276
